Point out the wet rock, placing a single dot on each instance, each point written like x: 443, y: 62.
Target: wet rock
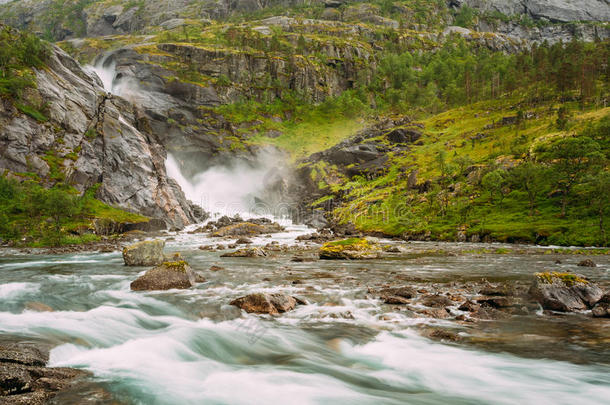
x: 392, y: 249
x: 405, y: 292
x: 442, y: 334
x: 37, y: 307
x: 24, y: 379
x: 14, y: 380
x: 469, y: 306
x: 587, y: 263
x: 350, y: 249
x: 497, y: 290
x: 216, y: 268
x: 24, y: 354
x: 167, y: 276
x: 246, y: 252
x: 243, y: 241
x: 397, y: 295
x: 436, y: 301
x: 263, y: 303
x: 489, y: 313
x: 437, y: 313
x: 601, y: 310
x: 564, y: 292
x: 394, y: 300
x: 248, y: 229
x: 145, y: 253
x: 497, y: 302
x: 301, y: 259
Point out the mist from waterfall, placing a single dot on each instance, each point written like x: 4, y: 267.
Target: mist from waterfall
x: 105, y: 69
x: 232, y: 189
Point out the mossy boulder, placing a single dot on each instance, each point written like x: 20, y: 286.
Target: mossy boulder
x: 168, y: 275
x: 145, y: 253
x: 350, y: 249
x: 564, y: 292
x: 263, y: 303
x: 247, y: 229
x: 246, y: 252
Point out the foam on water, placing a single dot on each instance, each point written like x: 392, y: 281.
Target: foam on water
x: 13, y: 290
x: 490, y: 378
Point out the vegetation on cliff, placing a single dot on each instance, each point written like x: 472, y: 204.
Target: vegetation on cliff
x: 32, y: 215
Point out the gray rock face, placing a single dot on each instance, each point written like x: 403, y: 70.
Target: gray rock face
x: 552, y: 10
x: 98, y: 138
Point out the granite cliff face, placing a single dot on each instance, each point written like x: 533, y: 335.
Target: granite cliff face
x: 550, y: 10
x: 91, y: 138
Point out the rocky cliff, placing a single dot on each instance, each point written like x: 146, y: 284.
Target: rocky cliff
x: 87, y: 137
x: 554, y: 19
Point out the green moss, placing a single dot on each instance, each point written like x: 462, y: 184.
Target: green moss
x: 32, y: 112
x: 568, y: 279
x: 176, y: 266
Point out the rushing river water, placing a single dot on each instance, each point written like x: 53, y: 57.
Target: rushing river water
x: 345, y: 347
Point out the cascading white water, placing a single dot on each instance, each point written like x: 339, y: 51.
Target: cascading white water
x: 224, y: 190
x: 105, y: 73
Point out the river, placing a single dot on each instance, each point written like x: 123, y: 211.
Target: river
x: 345, y: 347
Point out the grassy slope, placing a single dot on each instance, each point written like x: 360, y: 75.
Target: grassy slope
x: 385, y: 205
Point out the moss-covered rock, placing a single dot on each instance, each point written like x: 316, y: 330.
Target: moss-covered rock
x: 350, y: 249
x: 145, y: 253
x: 564, y: 292
x: 247, y: 229
x: 168, y: 275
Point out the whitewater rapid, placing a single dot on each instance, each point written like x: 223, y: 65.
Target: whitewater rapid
x: 191, y: 347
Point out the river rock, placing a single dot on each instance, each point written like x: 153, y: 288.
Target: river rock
x: 167, y: 276
x: 145, y: 253
x: 397, y: 295
x: 350, y: 249
x: 37, y: 307
x: 263, y: 303
x: 564, y: 291
x: 497, y: 290
x: 436, y: 301
x: 246, y: 252
x: 587, y: 263
x: 243, y: 241
x: 24, y: 379
x: 469, y: 306
x: 247, y: 229
x: 602, y: 308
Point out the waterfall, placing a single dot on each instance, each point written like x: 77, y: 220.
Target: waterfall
x: 225, y: 190
x: 106, y: 72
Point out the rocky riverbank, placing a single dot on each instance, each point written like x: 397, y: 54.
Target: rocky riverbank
x: 26, y: 380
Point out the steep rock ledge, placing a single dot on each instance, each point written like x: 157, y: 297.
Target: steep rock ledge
x: 90, y: 138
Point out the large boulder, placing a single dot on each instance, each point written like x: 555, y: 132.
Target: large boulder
x: 246, y: 252
x: 263, y: 303
x: 145, y: 253
x: 564, y: 292
x: 350, y: 249
x: 248, y: 229
x: 168, y: 276
x: 24, y: 378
